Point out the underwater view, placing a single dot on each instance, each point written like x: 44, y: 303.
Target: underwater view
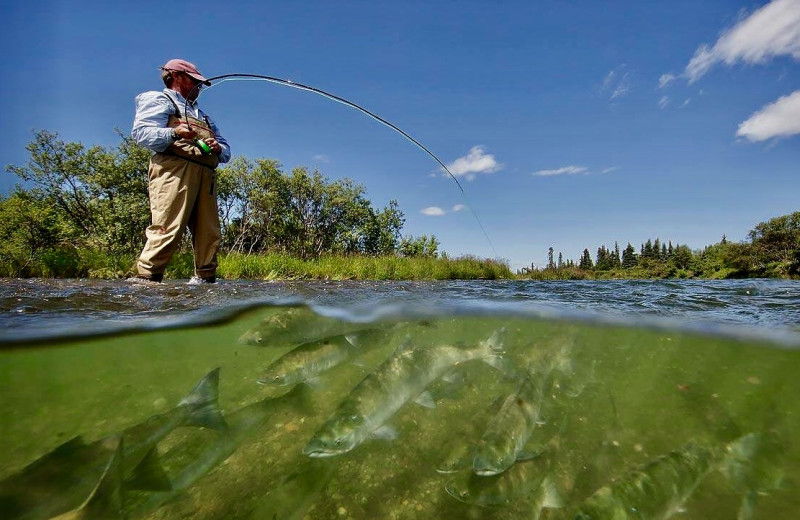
x: 401, y: 401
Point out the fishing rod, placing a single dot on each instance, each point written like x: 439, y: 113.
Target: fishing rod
x: 225, y: 77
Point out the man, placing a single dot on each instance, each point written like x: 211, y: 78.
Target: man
x: 181, y: 174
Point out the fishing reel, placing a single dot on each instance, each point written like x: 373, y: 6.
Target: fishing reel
x: 204, y: 148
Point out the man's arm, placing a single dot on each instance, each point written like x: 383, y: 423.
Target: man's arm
x: 225, y: 154
x: 150, y: 123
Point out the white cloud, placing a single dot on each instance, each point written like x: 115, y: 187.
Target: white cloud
x: 779, y: 119
x: 433, y: 211
x: 566, y: 170
x: 665, y: 80
x: 610, y: 169
x: 617, y: 83
x: 436, y: 211
x: 686, y: 102
x: 663, y: 102
x: 475, y: 162
x: 773, y: 30
x: 321, y: 158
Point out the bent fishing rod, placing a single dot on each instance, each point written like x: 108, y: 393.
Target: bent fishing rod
x: 288, y: 83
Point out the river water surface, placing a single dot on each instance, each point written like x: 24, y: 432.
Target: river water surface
x: 382, y: 400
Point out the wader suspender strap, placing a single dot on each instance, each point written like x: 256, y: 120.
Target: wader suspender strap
x: 178, y: 113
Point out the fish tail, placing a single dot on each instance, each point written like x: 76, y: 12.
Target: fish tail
x: 493, y: 352
x: 202, y: 404
x: 752, y: 465
x: 551, y: 496
x: 748, y: 507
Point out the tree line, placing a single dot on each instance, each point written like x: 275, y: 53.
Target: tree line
x: 76, y: 201
x: 772, y: 249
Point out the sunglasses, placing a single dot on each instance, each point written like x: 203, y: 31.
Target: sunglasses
x: 196, y: 82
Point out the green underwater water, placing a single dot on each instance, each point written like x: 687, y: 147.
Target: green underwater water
x: 623, y: 397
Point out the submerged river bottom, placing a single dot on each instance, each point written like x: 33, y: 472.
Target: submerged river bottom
x: 615, y: 408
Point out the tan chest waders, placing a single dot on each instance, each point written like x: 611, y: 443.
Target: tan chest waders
x: 182, y: 194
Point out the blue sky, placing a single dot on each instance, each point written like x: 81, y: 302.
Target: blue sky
x: 569, y: 124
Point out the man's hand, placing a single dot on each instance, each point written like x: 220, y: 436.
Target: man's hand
x: 214, y: 145
x: 184, y: 131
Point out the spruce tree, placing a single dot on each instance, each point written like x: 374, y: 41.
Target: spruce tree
x: 629, y: 257
x: 586, y: 261
x: 647, y: 250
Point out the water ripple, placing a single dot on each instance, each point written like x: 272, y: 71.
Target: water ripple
x: 37, y: 308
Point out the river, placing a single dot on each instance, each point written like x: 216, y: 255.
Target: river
x: 628, y: 377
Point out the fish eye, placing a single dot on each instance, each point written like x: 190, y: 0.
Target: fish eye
x: 338, y: 442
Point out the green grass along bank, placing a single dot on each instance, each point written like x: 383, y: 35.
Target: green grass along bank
x: 75, y: 263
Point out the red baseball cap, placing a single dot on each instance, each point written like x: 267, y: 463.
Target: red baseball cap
x: 188, y: 68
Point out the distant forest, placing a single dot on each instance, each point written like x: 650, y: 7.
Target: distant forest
x: 772, y: 250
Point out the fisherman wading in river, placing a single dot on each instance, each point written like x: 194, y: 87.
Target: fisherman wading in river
x: 181, y: 175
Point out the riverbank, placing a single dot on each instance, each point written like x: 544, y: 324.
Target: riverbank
x: 273, y: 266
x: 657, y: 272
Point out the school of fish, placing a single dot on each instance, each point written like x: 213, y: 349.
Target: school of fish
x: 497, y: 457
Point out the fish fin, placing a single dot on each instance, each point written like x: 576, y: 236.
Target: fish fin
x: 105, y: 500
x: 70, y: 445
x: 149, y: 474
x: 425, y: 399
x: 450, y: 388
x: 552, y: 498
x: 352, y: 339
x: 501, y: 363
x: 455, y: 468
x: 295, y: 494
x: 405, y: 345
x: 527, y: 455
x: 385, y: 433
x: 315, y: 383
x: 63, y: 451
x: 202, y: 404
x: 497, y: 341
x: 454, y: 376
x: 62, y: 454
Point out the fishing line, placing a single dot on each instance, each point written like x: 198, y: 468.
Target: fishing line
x: 288, y: 83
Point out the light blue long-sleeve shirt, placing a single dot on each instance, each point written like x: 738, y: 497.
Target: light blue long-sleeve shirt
x: 150, y: 123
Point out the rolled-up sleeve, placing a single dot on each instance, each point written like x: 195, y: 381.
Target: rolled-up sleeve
x: 150, y: 123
